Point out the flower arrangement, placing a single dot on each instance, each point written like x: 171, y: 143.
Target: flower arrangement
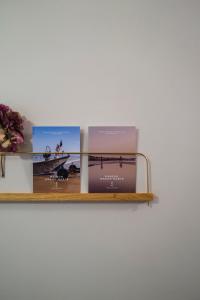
x: 11, y: 129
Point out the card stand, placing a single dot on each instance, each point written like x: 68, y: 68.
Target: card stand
x: 77, y: 197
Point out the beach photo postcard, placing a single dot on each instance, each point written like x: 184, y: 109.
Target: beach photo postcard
x: 112, y: 173
x: 60, y: 172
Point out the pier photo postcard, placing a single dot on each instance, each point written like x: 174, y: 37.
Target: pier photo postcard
x: 112, y: 173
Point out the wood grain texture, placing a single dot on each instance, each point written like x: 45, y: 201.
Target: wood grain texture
x: 75, y: 197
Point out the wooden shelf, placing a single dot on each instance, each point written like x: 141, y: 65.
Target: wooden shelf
x: 75, y: 197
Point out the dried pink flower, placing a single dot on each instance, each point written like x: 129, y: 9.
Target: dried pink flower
x: 11, y: 129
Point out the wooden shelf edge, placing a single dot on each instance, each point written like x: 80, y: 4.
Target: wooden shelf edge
x: 76, y: 197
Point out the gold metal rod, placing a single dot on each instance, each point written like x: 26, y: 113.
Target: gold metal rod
x: 82, y: 153
x: 69, y: 152
x: 3, y: 158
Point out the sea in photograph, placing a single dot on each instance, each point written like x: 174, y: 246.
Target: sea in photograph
x: 112, y: 176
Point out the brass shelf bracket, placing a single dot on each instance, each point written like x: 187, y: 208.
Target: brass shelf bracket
x: 137, y: 154
x: 2, y: 164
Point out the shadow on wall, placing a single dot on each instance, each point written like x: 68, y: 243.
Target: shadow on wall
x: 27, y: 145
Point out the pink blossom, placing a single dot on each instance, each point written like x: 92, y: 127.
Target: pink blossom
x: 11, y: 129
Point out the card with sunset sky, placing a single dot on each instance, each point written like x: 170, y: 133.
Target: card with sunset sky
x: 110, y: 173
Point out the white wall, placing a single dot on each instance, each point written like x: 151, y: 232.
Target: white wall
x: 95, y: 63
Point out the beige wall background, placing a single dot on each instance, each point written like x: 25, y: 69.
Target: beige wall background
x: 105, y: 63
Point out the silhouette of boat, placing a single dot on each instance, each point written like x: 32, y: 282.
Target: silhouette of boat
x: 49, y: 165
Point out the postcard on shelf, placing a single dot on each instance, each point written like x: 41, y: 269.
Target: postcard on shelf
x: 60, y: 172
x: 110, y: 173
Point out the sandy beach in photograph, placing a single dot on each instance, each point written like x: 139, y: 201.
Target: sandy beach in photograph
x: 42, y: 184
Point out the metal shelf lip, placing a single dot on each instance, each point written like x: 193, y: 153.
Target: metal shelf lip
x: 68, y: 152
x: 148, y: 196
